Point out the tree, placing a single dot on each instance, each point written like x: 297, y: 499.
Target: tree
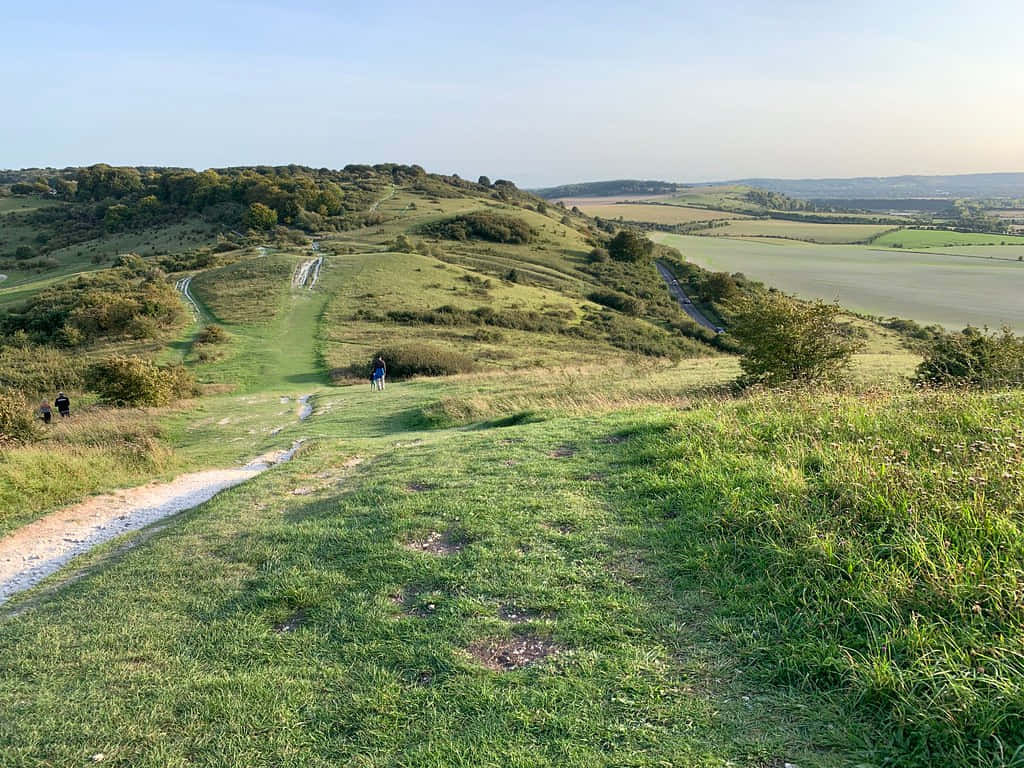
x: 974, y: 359
x: 628, y: 245
x: 783, y: 340
x: 260, y: 216
x: 719, y: 286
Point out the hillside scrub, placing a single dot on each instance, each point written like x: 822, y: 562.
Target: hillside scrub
x: 629, y: 245
x: 129, y: 381
x: 423, y: 360
x: 615, y: 300
x: 864, y: 546
x: 974, y: 359
x: 132, y: 301
x: 17, y: 420
x: 482, y: 225
x: 37, y: 370
x: 786, y: 340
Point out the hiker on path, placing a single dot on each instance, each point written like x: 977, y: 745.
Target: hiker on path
x: 63, y: 405
x: 45, y: 412
x: 379, y: 372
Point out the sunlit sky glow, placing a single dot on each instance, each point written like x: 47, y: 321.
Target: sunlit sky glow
x: 541, y: 93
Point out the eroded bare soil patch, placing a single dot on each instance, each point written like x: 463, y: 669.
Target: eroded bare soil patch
x: 503, y: 655
x: 563, y: 452
x: 436, y: 543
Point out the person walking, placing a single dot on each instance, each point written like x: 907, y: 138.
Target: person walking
x: 45, y: 412
x: 379, y: 372
x: 63, y: 405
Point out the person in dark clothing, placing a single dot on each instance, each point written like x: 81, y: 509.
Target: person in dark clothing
x: 63, y: 405
x: 379, y: 371
x: 45, y: 412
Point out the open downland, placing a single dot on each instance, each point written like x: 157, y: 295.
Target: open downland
x: 953, y: 291
x: 638, y: 587
x: 657, y: 214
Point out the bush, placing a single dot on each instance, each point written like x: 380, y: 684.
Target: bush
x: 125, y: 381
x: 34, y: 370
x: 598, y: 256
x: 974, y: 359
x: 628, y: 245
x: 620, y: 301
x: 482, y: 225
x: 784, y: 340
x: 423, y: 360
x: 212, y: 334
x: 17, y: 421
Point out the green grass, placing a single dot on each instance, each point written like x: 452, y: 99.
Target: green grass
x: 371, y: 673
x: 935, y: 238
x: 657, y: 214
x: 953, y: 291
x: 800, y: 230
x: 736, y: 582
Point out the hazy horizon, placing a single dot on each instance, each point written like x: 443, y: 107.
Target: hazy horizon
x: 538, y: 94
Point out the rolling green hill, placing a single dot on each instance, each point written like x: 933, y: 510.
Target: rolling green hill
x: 567, y: 541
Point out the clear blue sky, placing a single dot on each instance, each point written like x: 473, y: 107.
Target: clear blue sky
x: 540, y: 93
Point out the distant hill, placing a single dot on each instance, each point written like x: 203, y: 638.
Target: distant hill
x: 607, y: 189
x: 971, y: 185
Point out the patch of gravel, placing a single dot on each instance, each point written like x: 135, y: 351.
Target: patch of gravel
x: 436, y: 543
x: 501, y: 655
x: 33, y: 552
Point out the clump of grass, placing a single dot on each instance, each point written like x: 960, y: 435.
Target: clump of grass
x: 874, y: 548
x: 17, y: 424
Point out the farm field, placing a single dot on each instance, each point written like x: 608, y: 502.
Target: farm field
x: 656, y: 214
x: 798, y: 230
x: 952, y: 291
x: 936, y: 238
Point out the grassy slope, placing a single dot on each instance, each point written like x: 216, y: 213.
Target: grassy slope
x: 928, y: 288
x: 645, y: 542
x: 646, y: 545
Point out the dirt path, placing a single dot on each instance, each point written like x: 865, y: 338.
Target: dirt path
x: 684, y: 301
x: 39, y: 549
x: 392, y: 193
x: 184, y: 286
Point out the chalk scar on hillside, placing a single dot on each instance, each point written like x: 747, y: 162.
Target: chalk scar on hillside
x: 40, y: 549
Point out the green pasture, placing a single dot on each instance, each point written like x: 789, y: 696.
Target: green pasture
x: 656, y: 214
x: 729, y: 198
x: 20, y: 204
x: 950, y: 290
x: 937, y: 238
x: 800, y: 230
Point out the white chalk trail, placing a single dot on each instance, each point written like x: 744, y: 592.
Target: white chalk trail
x: 184, y: 285
x: 40, y: 549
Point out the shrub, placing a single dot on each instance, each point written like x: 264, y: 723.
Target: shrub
x: 17, y: 421
x: 212, y: 334
x: 974, y: 359
x: 620, y: 301
x: 423, y: 360
x: 482, y: 225
x: 628, y: 245
x: 784, y: 340
x: 597, y: 256
x: 124, y: 381
x: 34, y: 370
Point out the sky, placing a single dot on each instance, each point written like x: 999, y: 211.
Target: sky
x: 539, y: 93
